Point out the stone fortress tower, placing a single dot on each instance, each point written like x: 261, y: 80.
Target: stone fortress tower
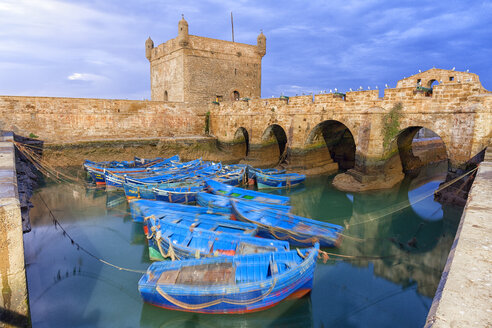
x: 196, y: 69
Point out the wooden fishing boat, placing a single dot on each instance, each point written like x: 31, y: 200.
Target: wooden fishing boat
x: 116, y: 180
x: 270, y: 171
x: 183, y: 193
x: 177, y: 242
x: 97, y: 171
x: 199, y: 222
x: 287, y: 180
x: 297, y: 230
x: 234, y: 177
x: 219, y: 203
x: 218, y: 188
x: 178, y: 171
x: 238, y: 284
x: 141, y: 208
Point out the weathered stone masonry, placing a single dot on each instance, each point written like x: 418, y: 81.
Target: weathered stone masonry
x: 62, y: 120
x: 458, y: 110
x: 195, y: 69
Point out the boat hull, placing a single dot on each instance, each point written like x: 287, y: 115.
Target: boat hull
x: 241, y: 296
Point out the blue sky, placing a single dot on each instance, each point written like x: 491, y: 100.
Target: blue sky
x: 96, y: 48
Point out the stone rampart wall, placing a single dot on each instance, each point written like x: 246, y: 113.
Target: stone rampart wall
x: 14, y: 307
x: 61, y: 120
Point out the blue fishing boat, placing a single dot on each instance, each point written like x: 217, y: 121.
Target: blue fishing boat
x: 141, y: 208
x: 218, y: 188
x: 116, y: 180
x: 238, y: 284
x: 219, y: 203
x: 297, y: 230
x: 178, y: 192
x: 183, y: 193
x: 177, y: 242
x: 199, y: 222
x: 177, y: 172
x: 234, y: 177
x: 138, y: 191
x: 287, y: 180
x: 270, y: 171
x: 97, y: 171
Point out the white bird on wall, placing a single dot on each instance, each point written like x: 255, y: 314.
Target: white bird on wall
x: 331, y: 91
x: 377, y: 87
x: 350, y: 89
x: 468, y: 71
x: 336, y: 90
x: 420, y: 71
x: 453, y: 68
x: 368, y: 88
x: 360, y: 88
x: 386, y: 85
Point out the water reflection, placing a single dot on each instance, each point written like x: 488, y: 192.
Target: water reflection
x: 290, y: 313
x: 396, y: 250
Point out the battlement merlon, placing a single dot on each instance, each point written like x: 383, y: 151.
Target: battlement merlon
x: 207, y: 45
x: 441, y: 76
x: 204, y: 45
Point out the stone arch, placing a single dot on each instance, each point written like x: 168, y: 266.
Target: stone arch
x: 337, y: 138
x: 432, y: 83
x: 166, y: 97
x: 241, y: 140
x: 274, y: 141
x: 416, y: 152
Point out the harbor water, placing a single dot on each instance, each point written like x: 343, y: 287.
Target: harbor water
x: 384, y: 274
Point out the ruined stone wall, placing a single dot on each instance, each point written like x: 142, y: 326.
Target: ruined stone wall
x: 61, y: 120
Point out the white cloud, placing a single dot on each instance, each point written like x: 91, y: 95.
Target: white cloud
x: 86, y: 77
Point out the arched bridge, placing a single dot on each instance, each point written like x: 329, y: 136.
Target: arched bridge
x: 360, y: 130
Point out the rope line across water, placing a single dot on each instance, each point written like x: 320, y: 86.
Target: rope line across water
x: 45, y: 168
x: 79, y: 247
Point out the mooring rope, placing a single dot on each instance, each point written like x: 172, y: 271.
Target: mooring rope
x: 48, y: 170
x: 403, y: 205
x: 80, y: 247
x: 43, y: 166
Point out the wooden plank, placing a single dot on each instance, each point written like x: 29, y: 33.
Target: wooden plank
x: 207, y: 274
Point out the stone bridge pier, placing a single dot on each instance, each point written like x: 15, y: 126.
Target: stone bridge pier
x: 368, y: 136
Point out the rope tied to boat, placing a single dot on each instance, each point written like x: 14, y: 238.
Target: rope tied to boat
x: 189, y: 306
x: 170, y: 252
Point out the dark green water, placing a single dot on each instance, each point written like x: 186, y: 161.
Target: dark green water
x: 388, y: 278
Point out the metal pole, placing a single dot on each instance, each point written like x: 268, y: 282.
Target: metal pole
x: 232, y: 24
